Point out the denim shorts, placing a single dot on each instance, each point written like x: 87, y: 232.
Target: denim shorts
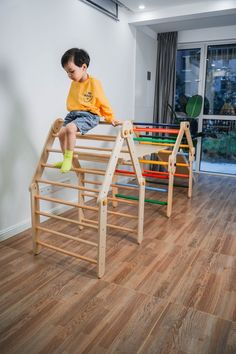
x: 83, y: 120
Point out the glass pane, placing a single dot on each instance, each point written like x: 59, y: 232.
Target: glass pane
x: 187, y: 76
x: 220, y: 90
x: 218, y: 152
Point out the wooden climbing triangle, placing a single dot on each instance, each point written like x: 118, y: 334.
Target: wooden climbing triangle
x: 104, y: 191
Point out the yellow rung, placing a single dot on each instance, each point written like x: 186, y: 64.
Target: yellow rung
x: 163, y: 163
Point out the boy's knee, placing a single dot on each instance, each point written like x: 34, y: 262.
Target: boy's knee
x: 62, y: 132
x: 71, y: 128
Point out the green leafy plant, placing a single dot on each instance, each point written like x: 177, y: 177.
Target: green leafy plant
x: 194, y: 106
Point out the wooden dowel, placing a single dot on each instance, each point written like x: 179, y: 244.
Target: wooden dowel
x: 89, y: 195
x: 59, y: 201
x: 83, y: 170
x: 122, y: 214
x: 115, y: 212
x: 127, y: 229
x: 84, y: 155
x: 82, y: 147
x: 113, y: 185
x: 93, y: 137
x: 122, y: 201
x: 67, y: 185
x: 69, y: 237
x: 117, y: 227
x: 68, y: 253
x: 96, y: 137
x: 90, y: 221
x: 54, y: 150
x: 91, y: 182
x: 48, y: 215
x: 96, y: 148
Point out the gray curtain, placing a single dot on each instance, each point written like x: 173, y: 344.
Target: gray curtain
x: 165, y: 76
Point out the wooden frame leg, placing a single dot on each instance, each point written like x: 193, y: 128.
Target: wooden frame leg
x: 114, y: 191
x: 170, y: 194
x: 190, y: 180
x: 81, y: 215
x: 35, y: 205
x: 102, y: 237
x: 141, y: 211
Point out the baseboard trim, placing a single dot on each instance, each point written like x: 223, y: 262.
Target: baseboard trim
x: 26, y: 224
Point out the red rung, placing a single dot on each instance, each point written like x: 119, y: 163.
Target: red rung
x: 144, y: 174
x: 167, y: 173
x: 155, y: 176
x: 125, y: 172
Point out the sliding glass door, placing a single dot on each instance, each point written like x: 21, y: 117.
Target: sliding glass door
x: 210, y: 70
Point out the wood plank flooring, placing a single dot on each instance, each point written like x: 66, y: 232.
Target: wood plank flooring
x: 174, y: 294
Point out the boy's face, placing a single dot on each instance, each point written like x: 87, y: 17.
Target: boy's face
x: 75, y: 72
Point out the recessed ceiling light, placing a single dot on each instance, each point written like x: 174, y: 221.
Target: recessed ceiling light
x: 141, y: 7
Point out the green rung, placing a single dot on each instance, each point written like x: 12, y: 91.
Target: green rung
x: 150, y: 140
x: 153, y: 201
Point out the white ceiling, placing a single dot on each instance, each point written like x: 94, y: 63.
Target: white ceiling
x: 177, y: 15
x: 151, y: 5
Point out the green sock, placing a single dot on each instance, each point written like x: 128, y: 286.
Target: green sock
x: 67, y: 162
x: 58, y: 164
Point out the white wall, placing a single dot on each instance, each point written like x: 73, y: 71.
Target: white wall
x: 207, y: 34
x: 33, y: 36
x: 146, y: 55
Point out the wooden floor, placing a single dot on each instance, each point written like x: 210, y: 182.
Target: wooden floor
x: 175, y: 293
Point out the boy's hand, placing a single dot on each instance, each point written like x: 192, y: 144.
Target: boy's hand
x: 116, y: 122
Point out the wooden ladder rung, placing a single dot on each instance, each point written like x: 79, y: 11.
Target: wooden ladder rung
x: 60, y: 201
x: 113, y: 199
x: 113, y: 212
x: 68, y: 253
x: 69, y: 237
x: 111, y: 138
x: 82, y: 147
x: 83, y: 170
x: 102, y: 158
x: 58, y: 217
x: 67, y: 185
x: 134, y: 231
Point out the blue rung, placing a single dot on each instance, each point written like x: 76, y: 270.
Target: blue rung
x: 157, y: 124
x: 146, y: 187
x: 182, y: 153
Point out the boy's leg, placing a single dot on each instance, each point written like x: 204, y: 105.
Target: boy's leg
x: 63, y: 138
x: 71, y: 131
x: 63, y: 142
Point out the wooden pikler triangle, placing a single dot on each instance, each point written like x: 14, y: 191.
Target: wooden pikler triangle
x: 169, y: 154
x: 104, y: 193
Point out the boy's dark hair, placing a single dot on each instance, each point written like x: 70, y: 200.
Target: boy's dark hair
x: 77, y: 56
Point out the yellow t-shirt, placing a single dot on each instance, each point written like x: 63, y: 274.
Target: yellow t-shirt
x: 89, y: 96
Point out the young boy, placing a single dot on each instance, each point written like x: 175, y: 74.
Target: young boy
x: 86, y: 103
